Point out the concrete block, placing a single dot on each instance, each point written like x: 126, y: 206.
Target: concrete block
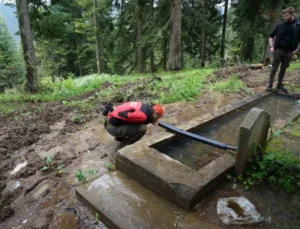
x: 170, y: 178
x: 253, y: 136
x: 123, y: 203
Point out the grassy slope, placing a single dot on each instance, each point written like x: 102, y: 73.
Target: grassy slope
x: 176, y: 86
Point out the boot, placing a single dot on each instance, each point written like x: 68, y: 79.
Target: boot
x: 269, y: 87
x: 281, y: 89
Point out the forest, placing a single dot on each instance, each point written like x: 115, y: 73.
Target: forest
x: 68, y: 39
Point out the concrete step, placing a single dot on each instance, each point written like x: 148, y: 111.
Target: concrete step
x: 123, y: 203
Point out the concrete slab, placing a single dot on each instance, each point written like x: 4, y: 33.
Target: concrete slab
x: 253, y: 137
x: 123, y: 203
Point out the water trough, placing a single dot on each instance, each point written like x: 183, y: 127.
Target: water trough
x: 179, y: 168
x: 169, y: 165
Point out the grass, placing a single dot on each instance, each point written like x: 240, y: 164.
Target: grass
x: 175, y: 86
x: 185, y: 85
x: 50, y: 91
x: 294, y: 65
x: 233, y: 84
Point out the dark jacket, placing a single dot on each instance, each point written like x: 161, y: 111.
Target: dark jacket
x: 131, y: 113
x: 294, y: 37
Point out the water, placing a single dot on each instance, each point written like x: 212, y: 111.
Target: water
x: 41, y: 189
x: 226, y: 130
x: 18, y: 167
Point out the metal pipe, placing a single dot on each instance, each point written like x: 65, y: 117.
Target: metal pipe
x: 196, y: 137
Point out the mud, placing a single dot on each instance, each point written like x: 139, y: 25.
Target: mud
x: 258, y: 79
x: 280, y: 209
x: 37, y: 130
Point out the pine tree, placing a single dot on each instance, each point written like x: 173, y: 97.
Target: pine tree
x: 11, y: 64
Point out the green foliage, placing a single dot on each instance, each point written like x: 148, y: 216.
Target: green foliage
x: 49, y: 166
x: 233, y: 84
x: 294, y: 65
x: 80, y: 175
x: 110, y: 166
x: 11, y: 64
x: 185, y: 85
x: 78, y: 118
x: 83, y: 175
x: 60, y: 169
x: 277, y: 133
x: 280, y: 169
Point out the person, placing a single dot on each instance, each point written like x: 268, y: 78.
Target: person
x: 287, y: 43
x: 128, y: 122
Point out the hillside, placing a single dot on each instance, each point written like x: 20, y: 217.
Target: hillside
x: 9, y: 15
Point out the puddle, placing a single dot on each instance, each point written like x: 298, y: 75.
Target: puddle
x: 18, y: 167
x: 226, y: 129
x: 41, y: 189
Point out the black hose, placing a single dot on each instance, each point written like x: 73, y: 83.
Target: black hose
x: 196, y: 137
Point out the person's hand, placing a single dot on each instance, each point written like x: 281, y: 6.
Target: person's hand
x: 295, y: 52
x: 272, y: 49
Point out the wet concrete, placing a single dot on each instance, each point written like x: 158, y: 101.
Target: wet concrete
x: 124, y: 203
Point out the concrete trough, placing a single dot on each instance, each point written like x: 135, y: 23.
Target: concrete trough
x: 172, y: 179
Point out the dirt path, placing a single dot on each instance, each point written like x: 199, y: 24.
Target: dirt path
x: 30, y: 198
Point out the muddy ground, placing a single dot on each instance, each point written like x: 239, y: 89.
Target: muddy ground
x: 76, y: 139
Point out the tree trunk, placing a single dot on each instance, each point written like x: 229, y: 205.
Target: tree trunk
x: 152, y: 67
x: 174, y: 60
x: 79, y: 60
x: 31, y: 81
x: 203, y: 37
x: 203, y: 41
x: 139, y: 50
x: 165, y: 55
x: 224, y: 30
x: 96, y: 36
x: 248, y: 49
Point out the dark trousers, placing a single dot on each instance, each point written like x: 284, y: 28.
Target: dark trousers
x: 127, y: 133
x: 280, y: 56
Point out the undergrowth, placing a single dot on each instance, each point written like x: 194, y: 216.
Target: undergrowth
x: 276, y: 165
x: 279, y: 169
x: 233, y: 84
x: 174, y: 86
x: 294, y: 65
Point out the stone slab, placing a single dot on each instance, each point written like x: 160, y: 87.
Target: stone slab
x: 123, y: 203
x: 253, y: 137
